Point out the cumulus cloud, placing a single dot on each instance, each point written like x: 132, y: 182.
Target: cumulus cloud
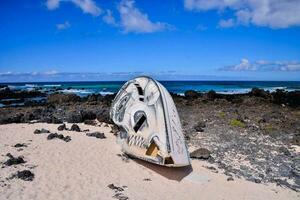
x: 87, y: 6
x: 133, y: 20
x: 63, y: 26
x: 263, y: 65
x: 108, y: 18
x: 226, y: 23
x: 269, y: 13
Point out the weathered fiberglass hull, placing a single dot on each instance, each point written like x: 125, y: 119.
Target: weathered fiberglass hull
x: 150, y: 126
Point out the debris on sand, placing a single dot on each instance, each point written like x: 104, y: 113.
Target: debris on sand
x: 96, y: 135
x: 37, y: 131
x: 201, y: 153
x: 75, y: 127
x: 13, y: 160
x: 59, y: 136
x: 25, y: 175
x: 62, y: 127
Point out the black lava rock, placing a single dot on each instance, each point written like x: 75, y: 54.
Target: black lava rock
x: 59, y: 136
x: 199, y: 126
x: 25, y: 175
x: 62, y: 127
x: 20, y: 145
x: 75, y: 127
x: 74, y: 117
x: 96, y: 135
x: 191, y: 94
x: 37, y: 131
x: 13, y: 160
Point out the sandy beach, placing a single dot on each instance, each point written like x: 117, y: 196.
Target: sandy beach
x: 85, y: 167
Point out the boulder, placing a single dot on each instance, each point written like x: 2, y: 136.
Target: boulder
x: 75, y: 127
x: 201, y: 153
x: 25, y: 175
x: 62, y: 127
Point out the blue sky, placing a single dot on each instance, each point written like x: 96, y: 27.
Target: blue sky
x: 58, y: 40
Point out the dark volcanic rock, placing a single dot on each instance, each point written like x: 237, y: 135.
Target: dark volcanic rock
x: 62, y: 127
x: 285, y: 151
x: 6, y: 93
x: 37, y: 131
x: 103, y: 116
x: 259, y: 93
x: 211, y: 95
x: 289, y: 98
x: 115, y: 129
x: 96, y: 135
x: 25, y: 175
x: 74, y: 117
x: 90, y: 122
x: 88, y: 115
x: 59, y: 136
x: 115, y: 188
x: 201, y: 153
x: 18, y: 145
x: 75, y: 127
x: 199, y: 126
x: 60, y: 98
x: 191, y: 94
x: 13, y: 160
x: 296, y: 139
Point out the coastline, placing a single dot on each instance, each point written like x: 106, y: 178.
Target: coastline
x: 91, y: 168
x: 250, y: 140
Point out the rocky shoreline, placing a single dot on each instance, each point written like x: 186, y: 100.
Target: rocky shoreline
x: 255, y: 136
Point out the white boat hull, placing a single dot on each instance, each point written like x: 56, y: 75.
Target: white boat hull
x: 149, y: 122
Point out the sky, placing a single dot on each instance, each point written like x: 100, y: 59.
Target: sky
x: 74, y: 40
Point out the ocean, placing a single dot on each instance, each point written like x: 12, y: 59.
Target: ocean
x: 179, y: 87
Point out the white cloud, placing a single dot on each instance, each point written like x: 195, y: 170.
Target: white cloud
x: 133, y: 20
x: 87, y: 6
x: 226, y: 23
x: 269, y: 13
x: 52, y: 4
x: 263, y: 65
x: 51, y: 72
x: 63, y: 26
x: 109, y: 18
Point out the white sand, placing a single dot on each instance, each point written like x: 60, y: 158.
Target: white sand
x: 85, y: 166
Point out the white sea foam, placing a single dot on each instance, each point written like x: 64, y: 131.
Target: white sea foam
x: 105, y: 93
x: 77, y: 91
x: 57, y: 85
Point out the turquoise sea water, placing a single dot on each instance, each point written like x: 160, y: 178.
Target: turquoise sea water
x: 179, y: 87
